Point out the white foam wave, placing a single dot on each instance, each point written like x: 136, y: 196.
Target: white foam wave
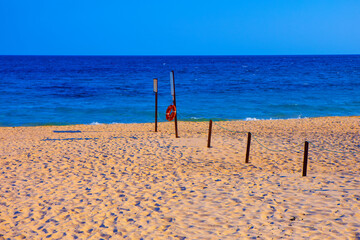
x: 252, y: 119
x: 95, y: 123
x: 257, y: 119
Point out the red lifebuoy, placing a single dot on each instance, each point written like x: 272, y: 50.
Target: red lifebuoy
x: 170, y: 112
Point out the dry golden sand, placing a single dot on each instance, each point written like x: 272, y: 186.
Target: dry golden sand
x: 126, y: 181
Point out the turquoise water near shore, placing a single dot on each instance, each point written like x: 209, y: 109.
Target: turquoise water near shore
x: 48, y: 90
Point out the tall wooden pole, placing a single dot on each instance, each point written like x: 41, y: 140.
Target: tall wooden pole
x: 156, y: 101
x: 172, y: 83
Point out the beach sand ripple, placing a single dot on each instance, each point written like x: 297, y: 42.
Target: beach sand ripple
x: 126, y: 181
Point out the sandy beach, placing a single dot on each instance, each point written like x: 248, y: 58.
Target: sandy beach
x: 126, y: 181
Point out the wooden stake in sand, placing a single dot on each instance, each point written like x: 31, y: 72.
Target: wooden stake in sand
x: 209, y: 138
x: 156, y: 101
x: 306, y: 150
x: 172, y: 83
x: 248, y: 148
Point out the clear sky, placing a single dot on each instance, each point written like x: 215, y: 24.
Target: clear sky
x: 179, y: 27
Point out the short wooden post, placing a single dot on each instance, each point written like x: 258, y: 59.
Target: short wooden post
x: 156, y: 101
x: 306, y: 150
x: 209, y: 138
x: 248, y: 148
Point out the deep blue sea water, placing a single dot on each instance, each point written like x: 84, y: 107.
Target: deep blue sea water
x: 46, y: 90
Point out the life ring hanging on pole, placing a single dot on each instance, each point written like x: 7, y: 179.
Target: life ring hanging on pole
x: 170, y: 113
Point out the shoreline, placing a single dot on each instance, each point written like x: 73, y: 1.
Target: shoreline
x: 248, y: 119
x: 125, y: 180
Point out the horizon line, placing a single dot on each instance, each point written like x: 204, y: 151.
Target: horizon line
x: 178, y: 55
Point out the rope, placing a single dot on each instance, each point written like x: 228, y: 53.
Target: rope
x: 258, y: 140
x: 288, y: 149
x: 328, y: 150
x: 281, y: 150
x: 228, y: 129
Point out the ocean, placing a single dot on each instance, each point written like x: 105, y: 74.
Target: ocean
x: 62, y: 90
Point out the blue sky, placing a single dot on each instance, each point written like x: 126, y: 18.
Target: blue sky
x: 179, y: 27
